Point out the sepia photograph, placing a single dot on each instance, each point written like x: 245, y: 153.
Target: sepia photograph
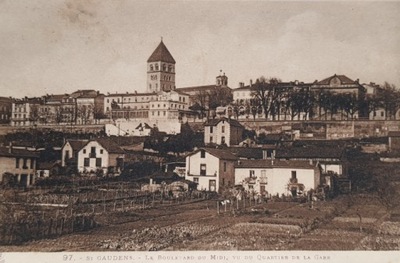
x: 199, y: 131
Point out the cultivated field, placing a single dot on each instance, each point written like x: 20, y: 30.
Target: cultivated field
x: 198, y: 223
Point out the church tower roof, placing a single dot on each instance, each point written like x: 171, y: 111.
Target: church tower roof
x: 161, y: 53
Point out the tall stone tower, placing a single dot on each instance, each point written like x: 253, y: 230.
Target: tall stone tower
x: 160, y: 70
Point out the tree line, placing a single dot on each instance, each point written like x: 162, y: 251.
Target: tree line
x: 272, y: 100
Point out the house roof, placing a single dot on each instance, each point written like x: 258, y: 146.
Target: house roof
x: 76, y: 145
x: 109, y: 145
x: 55, y: 98
x: 224, y: 154
x: 214, y: 122
x: 197, y: 88
x: 5, y: 151
x: 143, y: 125
x: 310, y: 152
x: 247, y: 152
x: 161, y: 53
x: 343, y: 79
x: 130, y: 94
x: 274, y: 164
x: 394, y: 133
x: 46, y: 165
x: 289, y: 84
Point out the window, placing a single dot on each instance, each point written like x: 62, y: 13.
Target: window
x: 24, y: 165
x: 211, y: 129
x: 98, y: 162
x: 17, y: 163
x: 223, y: 181
x: 203, y: 169
x: 251, y: 173
x: 32, y: 163
x: 202, y: 154
x: 222, y: 139
x: 223, y: 129
x: 211, y: 139
x: 92, y: 152
x: 224, y: 166
x: 196, y: 179
x: 293, y: 179
x: 86, y: 162
x: 84, y: 150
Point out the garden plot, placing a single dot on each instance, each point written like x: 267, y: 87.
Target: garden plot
x: 248, y: 236
x: 380, y: 242
x: 328, y: 239
x: 157, y: 238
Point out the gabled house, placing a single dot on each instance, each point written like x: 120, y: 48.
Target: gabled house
x: 223, y: 131
x: 143, y: 129
x: 18, y: 164
x: 212, y: 169
x: 274, y: 177
x: 100, y: 155
x: 69, y: 151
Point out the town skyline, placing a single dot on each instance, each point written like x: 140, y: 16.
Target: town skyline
x: 65, y: 46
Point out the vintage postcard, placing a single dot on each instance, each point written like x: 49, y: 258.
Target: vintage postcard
x: 199, y: 131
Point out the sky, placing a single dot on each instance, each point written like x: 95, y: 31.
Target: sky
x: 55, y: 47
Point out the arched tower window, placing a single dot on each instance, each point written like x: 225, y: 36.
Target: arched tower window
x: 151, y: 67
x: 164, y: 67
x: 170, y: 68
x: 156, y: 67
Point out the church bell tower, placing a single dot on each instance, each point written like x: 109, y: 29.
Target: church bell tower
x: 160, y: 70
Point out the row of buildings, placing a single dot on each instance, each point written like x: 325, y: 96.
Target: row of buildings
x: 163, y: 101
x: 276, y: 166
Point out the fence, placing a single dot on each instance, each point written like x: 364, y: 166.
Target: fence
x: 26, y: 229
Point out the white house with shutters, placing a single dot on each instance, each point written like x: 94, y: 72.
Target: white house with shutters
x: 272, y: 177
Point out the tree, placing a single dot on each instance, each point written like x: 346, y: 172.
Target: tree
x: 391, y: 99
x: 85, y: 112
x: 98, y: 112
x: 265, y: 92
x: 58, y: 115
x: 34, y: 113
x: 349, y: 103
x: 219, y: 97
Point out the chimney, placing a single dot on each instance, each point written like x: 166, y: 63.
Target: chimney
x: 251, y: 82
x: 241, y: 84
x: 311, y: 162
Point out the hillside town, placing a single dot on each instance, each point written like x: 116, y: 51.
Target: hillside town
x: 286, y: 144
